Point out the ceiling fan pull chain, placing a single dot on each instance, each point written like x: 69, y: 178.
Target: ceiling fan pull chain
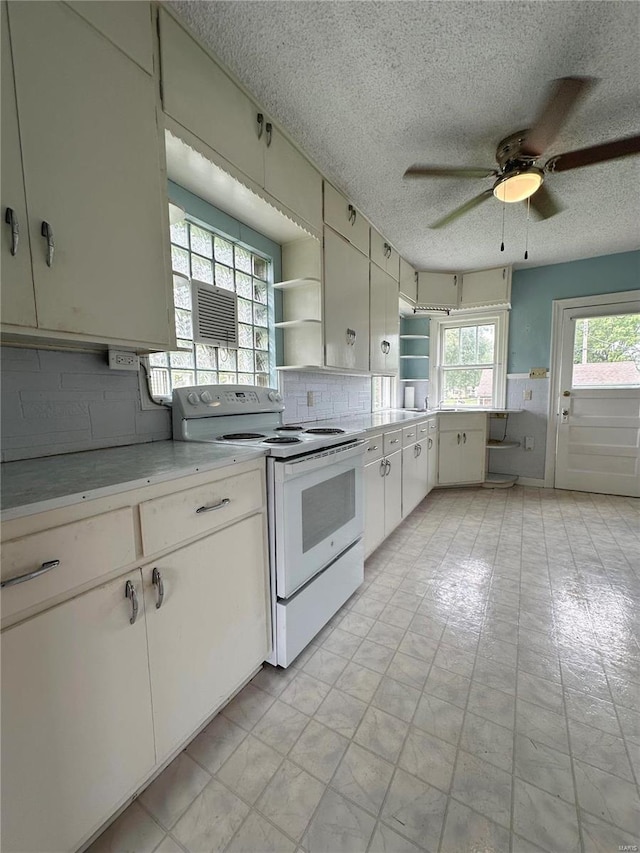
x: 526, y: 239
x: 502, y: 244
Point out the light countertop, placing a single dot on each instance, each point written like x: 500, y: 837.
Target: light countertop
x: 374, y: 421
x: 51, y: 482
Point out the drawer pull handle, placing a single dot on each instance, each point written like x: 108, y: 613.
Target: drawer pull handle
x: 223, y: 502
x: 371, y: 449
x: 156, y: 580
x: 132, y: 595
x: 394, y: 441
x: 45, y: 567
x: 12, y: 220
x: 424, y: 430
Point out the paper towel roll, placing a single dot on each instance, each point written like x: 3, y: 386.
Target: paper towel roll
x: 409, y: 397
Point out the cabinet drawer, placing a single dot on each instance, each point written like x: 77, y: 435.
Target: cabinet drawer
x: 193, y: 512
x: 410, y: 434
x: 422, y: 430
x: 475, y: 420
x: 392, y: 441
x: 342, y: 216
x: 85, y: 549
x: 374, y: 449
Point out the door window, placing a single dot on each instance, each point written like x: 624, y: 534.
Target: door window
x: 606, y: 351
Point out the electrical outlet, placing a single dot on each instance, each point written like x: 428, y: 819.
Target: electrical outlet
x: 310, y: 399
x: 538, y: 373
x: 527, y: 394
x: 123, y: 360
x: 528, y: 442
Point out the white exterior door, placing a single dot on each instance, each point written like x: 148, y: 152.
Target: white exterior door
x: 598, y: 398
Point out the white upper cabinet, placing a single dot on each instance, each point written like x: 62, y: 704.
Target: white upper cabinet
x: 290, y: 177
x: 127, y: 25
x: 201, y: 97
x: 384, y: 255
x: 383, y: 322
x: 346, y: 304
x: 343, y: 217
x: 486, y: 287
x: 95, y: 187
x: 18, y: 300
x: 408, y: 282
x: 438, y: 289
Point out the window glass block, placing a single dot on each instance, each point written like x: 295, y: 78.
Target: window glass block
x: 206, y: 357
x: 180, y: 260
x: 223, y: 251
x: 180, y: 378
x: 181, y: 359
x: 224, y: 277
x: 260, y: 267
x: 181, y: 292
x: 158, y: 359
x: 243, y: 285
x: 260, y: 292
x: 262, y: 379
x: 244, y: 311
x: 184, y: 327
x: 181, y: 344
x: 180, y: 234
x: 262, y: 362
x: 226, y: 359
x: 201, y: 269
x: 245, y: 360
x: 201, y: 241
x: 261, y: 339
x: 206, y: 377
x: 245, y: 335
x: 243, y: 259
x: 227, y: 378
x: 245, y: 379
x: 260, y: 316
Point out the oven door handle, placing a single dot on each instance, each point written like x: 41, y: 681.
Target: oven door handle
x: 325, y: 457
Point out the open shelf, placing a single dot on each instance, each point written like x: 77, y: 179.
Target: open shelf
x: 289, y: 324
x: 495, y: 444
x: 415, y: 356
x: 414, y: 337
x: 499, y: 481
x: 423, y: 379
x: 294, y: 283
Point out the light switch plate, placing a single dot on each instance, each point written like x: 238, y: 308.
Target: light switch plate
x: 527, y: 394
x: 528, y: 442
x: 538, y: 373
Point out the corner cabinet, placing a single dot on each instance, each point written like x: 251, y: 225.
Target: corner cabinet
x: 461, y: 456
x: 478, y: 289
x: 93, y: 229
x: 437, y: 290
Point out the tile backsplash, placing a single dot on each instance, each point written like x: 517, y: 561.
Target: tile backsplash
x: 333, y: 395
x: 63, y: 402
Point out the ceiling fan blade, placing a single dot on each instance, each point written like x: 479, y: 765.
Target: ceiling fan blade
x: 449, y: 172
x: 595, y: 154
x: 563, y: 96
x: 464, y: 208
x: 544, y: 204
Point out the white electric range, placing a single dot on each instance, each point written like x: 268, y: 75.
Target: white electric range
x: 314, y: 498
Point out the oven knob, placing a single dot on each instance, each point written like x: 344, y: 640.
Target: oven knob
x: 206, y: 397
x: 274, y: 397
x: 192, y: 397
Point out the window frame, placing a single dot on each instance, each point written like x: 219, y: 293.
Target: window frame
x: 472, y: 318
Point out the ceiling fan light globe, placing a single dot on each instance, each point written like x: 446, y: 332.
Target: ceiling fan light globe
x: 518, y: 186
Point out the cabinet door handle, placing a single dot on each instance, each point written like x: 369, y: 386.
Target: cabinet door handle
x: 383, y: 467
x: 260, y: 120
x: 47, y: 232
x: 387, y: 465
x: 268, y: 127
x: 219, y: 505
x: 156, y: 580
x: 45, y: 567
x: 458, y: 438
x: 12, y: 220
x: 132, y: 595
x: 464, y: 438
x: 430, y: 444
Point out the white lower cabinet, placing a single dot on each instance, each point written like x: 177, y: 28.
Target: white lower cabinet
x: 207, y: 629
x: 415, y: 476
x: 382, y: 497
x: 393, y: 492
x: 432, y: 453
x: 77, y: 731
x: 461, y: 455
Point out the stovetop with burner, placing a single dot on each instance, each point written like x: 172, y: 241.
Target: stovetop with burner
x: 247, y: 416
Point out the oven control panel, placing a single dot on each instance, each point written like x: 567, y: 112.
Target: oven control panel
x: 200, y: 401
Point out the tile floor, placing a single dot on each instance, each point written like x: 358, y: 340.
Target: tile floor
x: 478, y: 693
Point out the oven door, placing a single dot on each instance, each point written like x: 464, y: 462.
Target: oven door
x: 318, y: 512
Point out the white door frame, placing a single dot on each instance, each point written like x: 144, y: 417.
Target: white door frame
x: 624, y: 299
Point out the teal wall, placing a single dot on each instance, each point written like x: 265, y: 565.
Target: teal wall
x: 533, y: 291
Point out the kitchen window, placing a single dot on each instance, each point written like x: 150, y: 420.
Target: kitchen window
x: 383, y: 393
x: 470, y: 368
x: 225, y: 257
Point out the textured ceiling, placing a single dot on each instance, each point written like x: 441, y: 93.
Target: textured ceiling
x: 369, y: 88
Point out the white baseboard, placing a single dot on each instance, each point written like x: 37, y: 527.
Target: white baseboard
x: 531, y: 481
